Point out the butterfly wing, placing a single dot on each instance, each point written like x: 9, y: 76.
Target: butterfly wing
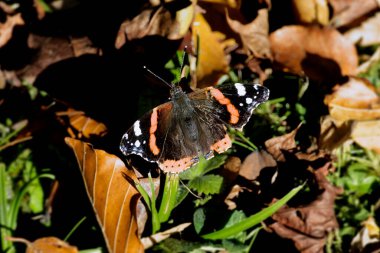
x: 231, y: 103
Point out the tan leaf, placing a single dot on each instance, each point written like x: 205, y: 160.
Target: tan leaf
x: 356, y: 100
x: 276, y: 145
x: 365, y: 66
x: 254, y: 163
x: 355, y: 93
x: 254, y: 35
x: 156, y: 238
x: 347, y: 12
x: 367, y: 34
x: 112, y: 194
x: 367, y: 134
x: 367, y: 240
x: 157, y: 21
x: 333, y: 133
x: 83, y: 45
x: 311, y: 11
x: 212, y: 62
x: 80, y: 125
x: 6, y: 29
x: 320, y: 53
x: 46, y: 245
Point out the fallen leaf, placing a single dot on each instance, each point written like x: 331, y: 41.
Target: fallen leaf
x: 367, y: 134
x: 308, y: 226
x: 276, y: 145
x: 211, y: 59
x: 49, y: 50
x: 368, y: 239
x: 156, y: 238
x: 356, y: 99
x: 46, y: 245
x: 348, y: 12
x: 365, y: 66
x: 110, y: 188
x: 172, y: 23
x: 83, y: 45
x: 367, y: 34
x: 322, y: 53
x: 80, y: 125
x: 6, y: 29
x: 234, y: 194
x: 333, y: 133
x: 254, y: 163
x: 254, y: 35
x: 311, y: 11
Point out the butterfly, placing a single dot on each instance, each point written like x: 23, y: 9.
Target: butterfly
x: 177, y: 133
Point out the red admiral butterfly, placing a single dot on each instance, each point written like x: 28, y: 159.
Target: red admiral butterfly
x: 176, y: 133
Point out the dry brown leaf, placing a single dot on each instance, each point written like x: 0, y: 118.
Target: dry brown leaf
x: 157, y: 21
x: 367, y: 34
x: 211, y: 59
x: 355, y: 93
x: 254, y: 35
x: 83, y: 45
x: 112, y: 194
x: 356, y: 100
x: 367, y: 134
x: 320, y: 53
x: 49, y: 50
x: 234, y: 194
x: 156, y: 238
x: 46, y: 245
x: 368, y: 238
x: 347, y: 12
x: 80, y: 125
x: 6, y: 29
x: 309, y: 225
x: 311, y: 11
x: 254, y: 163
x: 276, y: 145
x: 333, y: 133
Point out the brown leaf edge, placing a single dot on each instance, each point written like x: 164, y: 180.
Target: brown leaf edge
x: 113, y: 197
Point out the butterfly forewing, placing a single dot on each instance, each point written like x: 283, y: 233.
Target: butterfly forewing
x: 232, y: 104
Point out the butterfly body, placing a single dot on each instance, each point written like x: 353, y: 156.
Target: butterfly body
x: 175, y: 134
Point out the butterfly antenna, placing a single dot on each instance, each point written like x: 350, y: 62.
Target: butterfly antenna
x: 158, y: 77
x: 183, y: 58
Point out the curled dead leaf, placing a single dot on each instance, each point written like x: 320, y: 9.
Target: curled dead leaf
x: 168, y: 23
x: 368, y: 238
x: 109, y: 185
x: 367, y: 134
x: 322, y: 53
x: 333, y: 133
x: 254, y: 35
x: 311, y: 11
x: 80, y: 125
x: 276, y: 145
x: 46, y: 244
x: 254, y: 163
x: 6, y: 29
x: 367, y: 34
x: 156, y: 238
x: 356, y: 99
x: 347, y: 12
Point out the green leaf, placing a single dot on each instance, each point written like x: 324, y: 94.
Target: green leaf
x: 172, y: 245
x: 203, y: 166
x: 207, y: 184
x: 199, y: 218
x: 236, y: 217
x: 253, y: 219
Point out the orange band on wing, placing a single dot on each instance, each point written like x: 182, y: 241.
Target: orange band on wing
x: 234, y: 113
x: 222, y: 145
x: 152, y: 130
x: 177, y: 166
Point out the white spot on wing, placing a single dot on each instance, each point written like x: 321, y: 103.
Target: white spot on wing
x: 125, y: 136
x: 248, y: 100
x: 136, y: 128
x: 240, y: 89
x: 137, y: 143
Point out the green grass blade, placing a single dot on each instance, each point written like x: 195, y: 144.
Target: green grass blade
x: 253, y: 219
x: 169, y: 196
x: 4, y: 226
